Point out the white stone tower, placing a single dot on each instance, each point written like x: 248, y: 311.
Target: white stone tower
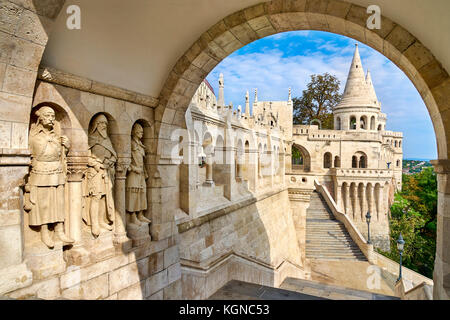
x: 359, y: 108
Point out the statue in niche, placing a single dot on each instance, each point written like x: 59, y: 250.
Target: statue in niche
x: 99, y: 178
x: 136, y: 187
x: 44, y: 197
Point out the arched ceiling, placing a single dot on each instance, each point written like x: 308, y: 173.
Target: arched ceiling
x: 134, y: 44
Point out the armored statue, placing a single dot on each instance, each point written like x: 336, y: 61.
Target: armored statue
x: 98, y: 182
x: 44, y: 197
x: 136, y: 188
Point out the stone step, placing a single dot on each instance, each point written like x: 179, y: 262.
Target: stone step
x: 329, y: 291
x: 337, y: 250
x: 318, y: 237
x: 333, y: 254
x: 327, y: 232
x: 326, y: 237
x: 329, y: 242
x: 324, y: 226
x: 334, y: 258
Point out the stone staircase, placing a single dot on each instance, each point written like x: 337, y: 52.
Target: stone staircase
x: 326, y: 237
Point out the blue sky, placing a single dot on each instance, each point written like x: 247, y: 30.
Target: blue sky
x: 275, y: 63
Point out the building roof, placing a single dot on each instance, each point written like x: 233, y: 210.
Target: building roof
x: 358, y: 92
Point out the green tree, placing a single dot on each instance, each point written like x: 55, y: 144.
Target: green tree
x: 318, y: 101
x: 413, y: 214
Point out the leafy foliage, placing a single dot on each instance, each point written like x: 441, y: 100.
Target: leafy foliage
x: 297, y: 157
x: 413, y: 214
x: 318, y: 101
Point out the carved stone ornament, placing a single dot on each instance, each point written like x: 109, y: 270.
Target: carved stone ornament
x: 136, y: 186
x: 98, y: 180
x: 44, y: 192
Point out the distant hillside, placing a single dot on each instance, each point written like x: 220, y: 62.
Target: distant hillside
x: 411, y: 166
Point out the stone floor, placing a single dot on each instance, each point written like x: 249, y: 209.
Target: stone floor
x: 238, y: 290
x: 293, y: 289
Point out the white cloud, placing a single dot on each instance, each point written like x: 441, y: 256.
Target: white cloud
x: 273, y: 72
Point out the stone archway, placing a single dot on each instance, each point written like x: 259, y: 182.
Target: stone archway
x: 392, y: 40
x: 26, y: 29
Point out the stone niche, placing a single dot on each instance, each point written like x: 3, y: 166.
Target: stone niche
x: 89, y: 149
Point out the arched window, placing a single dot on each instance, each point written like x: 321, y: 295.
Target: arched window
x: 327, y: 160
x: 297, y: 157
x: 372, y: 123
x: 395, y: 143
x: 338, y: 123
x: 399, y: 144
x: 398, y: 163
x: 363, y: 162
x: 337, y: 162
x: 363, y: 122
x: 354, y: 162
x: 379, y: 127
x: 300, y: 158
x: 352, y: 123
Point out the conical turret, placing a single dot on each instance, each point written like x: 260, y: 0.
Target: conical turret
x: 356, y: 93
x: 370, y: 87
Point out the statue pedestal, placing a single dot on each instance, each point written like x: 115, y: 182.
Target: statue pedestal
x: 139, y: 234
x: 101, y: 247
x: 122, y: 243
x: 44, y: 262
x: 77, y: 256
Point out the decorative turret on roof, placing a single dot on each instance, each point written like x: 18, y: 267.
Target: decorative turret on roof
x: 221, y: 100
x: 370, y: 88
x: 357, y: 91
x: 247, y: 105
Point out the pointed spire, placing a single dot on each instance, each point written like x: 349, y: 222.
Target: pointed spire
x: 370, y: 87
x: 221, y: 100
x: 256, y: 95
x: 356, y: 92
x: 247, y: 105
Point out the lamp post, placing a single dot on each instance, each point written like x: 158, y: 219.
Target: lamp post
x: 400, y: 245
x: 368, y: 217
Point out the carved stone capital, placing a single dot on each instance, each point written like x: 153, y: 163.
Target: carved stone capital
x: 441, y: 166
x: 122, y: 166
x: 76, y: 167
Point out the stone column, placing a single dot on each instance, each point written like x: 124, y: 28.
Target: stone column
x: 228, y: 171
x: 354, y: 202
x: 239, y: 164
x: 338, y: 193
x: 209, y: 171
x: 76, y: 166
x: 370, y: 201
x: 120, y: 233
x: 270, y: 156
x: 282, y: 169
x: 252, y: 169
x: 380, y: 205
x: 14, y: 273
x: 441, y: 274
x: 346, y: 198
x: 189, y: 180
x: 362, y: 202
